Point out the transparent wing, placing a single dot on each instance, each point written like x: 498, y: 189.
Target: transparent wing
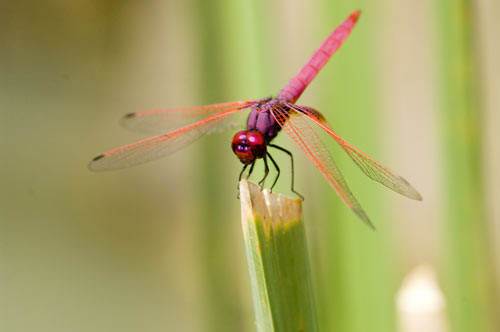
x: 163, y: 120
x: 162, y: 145
x: 296, y: 126
x: 371, y: 167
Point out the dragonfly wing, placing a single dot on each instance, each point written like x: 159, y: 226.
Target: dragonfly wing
x: 161, y: 145
x: 299, y: 130
x: 163, y: 120
x: 371, y: 167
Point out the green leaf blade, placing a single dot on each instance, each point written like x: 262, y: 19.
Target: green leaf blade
x: 276, y: 249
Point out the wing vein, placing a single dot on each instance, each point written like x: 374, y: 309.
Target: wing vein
x: 368, y: 165
x: 295, y: 125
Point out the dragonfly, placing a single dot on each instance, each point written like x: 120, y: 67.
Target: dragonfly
x: 177, y: 127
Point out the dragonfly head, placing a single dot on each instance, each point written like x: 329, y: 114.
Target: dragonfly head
x: 249, y: 145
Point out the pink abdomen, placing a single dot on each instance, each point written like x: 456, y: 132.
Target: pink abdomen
x: 297, y: 85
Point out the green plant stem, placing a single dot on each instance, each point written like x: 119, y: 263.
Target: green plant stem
x: 469, y: 277
x: 276, y: 250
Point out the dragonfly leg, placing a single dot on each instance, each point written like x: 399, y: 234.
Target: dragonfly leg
x: 261, y: 182
x: 293, y: 173
x: 277, y: 169
x: 251, y: 170
x: 241, y: 173
x: 239, y: 180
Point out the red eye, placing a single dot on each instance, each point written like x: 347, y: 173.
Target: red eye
x: 240, y: 136
x: 257, y: 143
x: 241, y: 147
x: 249, y: 145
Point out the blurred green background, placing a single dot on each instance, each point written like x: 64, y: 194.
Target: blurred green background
x: 159, y: 247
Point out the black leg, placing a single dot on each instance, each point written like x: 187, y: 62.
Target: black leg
x: 251, y: 170
x: 293, y: 173
x: 241, y: 173
x: 261, y: 182
x: 277, y: 169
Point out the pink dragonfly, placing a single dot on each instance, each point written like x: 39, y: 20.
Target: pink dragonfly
x: 267, y: 117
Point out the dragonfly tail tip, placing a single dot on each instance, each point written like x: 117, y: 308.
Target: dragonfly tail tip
x: 355, y: 15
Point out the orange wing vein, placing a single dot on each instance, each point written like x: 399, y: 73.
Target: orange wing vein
x: 371, y: 167
x: 165, y: 144
x: 164, y: 120
x: 296, y: 126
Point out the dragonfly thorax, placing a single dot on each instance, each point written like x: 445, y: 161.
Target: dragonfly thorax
x: 261, y: 120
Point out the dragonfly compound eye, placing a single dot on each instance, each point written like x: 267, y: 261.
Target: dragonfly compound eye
x: 242, y: 148
x: 257, y: 143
